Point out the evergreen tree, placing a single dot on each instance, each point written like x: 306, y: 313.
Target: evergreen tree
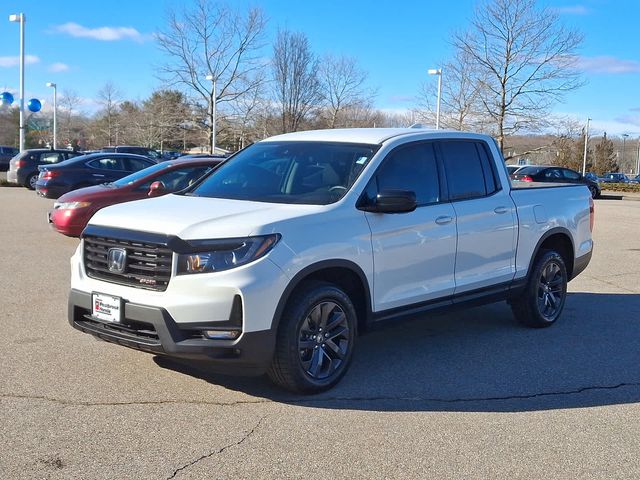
x: 605, y: 157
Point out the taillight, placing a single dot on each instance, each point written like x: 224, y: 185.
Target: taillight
x: 592, y: 213
x: 49, y: 174
x: 526, y: 178
x: 20, y: 163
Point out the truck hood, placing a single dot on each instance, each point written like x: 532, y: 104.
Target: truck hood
x: 199, y: 217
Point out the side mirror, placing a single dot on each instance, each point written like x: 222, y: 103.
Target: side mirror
x: 156, y: 189
x: 393, y: 201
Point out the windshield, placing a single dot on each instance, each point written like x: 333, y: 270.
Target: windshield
x: 313, y: 173
x: 140, y: 174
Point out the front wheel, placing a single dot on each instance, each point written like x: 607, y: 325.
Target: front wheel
x: 315, y: 339
x: 543, y: 299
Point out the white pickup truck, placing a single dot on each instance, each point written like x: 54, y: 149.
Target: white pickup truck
x: 280, y: 258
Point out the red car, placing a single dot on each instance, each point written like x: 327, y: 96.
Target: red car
x: 72, y: 211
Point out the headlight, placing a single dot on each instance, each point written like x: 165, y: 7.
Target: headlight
x: 219, y: 255
x: 70, y: 205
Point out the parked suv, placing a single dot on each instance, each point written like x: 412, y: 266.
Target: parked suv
x: 279, y: 258
x: 611, y: 177
x: 144, y: 151
x: 6, y: 154
x: 23, y: 168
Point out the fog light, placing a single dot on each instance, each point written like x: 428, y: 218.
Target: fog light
x: 221, y: 334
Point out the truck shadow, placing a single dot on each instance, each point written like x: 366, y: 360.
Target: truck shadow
x: 482, y: 360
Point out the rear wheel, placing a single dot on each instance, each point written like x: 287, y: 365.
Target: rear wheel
x: 315, y: 339
x: 543, y: 299
x: 30, y: 183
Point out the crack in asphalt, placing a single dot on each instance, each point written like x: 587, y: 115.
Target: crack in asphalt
x: 323, y: 400
x: 218, y: 451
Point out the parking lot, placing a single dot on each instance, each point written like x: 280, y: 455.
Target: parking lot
x: 465, y: 395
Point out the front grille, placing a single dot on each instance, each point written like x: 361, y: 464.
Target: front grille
x: 147, y: 265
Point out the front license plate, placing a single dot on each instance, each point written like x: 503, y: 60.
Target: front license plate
x: 106, y: 307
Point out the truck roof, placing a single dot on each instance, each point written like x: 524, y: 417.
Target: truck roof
x: 361, y: 135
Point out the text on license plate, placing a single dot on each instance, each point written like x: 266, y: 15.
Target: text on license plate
x: 106, y: 307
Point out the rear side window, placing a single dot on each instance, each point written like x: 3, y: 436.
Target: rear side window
x: 135, y: 164
x: 413, y: 168
x: 571, y: 175
x: 51, y: 157
x: 468, y: 169
x: 107, y: 164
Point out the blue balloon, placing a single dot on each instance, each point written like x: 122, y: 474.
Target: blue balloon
x: 34, y: 105
x: 7, y: 98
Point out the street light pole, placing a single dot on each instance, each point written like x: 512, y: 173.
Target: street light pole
x: 20, y: 17
x: 586, y: 142
x: 624, y: 141
x: 55, y: 114
x: 213, y: 114
x: 437, y: 71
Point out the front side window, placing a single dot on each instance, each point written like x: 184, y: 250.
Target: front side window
x: 552, y: 174
x: 313, y: 173
x: 571, y: 175
x: 464, y: 168
x: 412, y: 168
x: 135, y: 164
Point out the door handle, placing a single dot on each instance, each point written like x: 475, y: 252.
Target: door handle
x: 443, y: 220
x: 501, y: 210
x: 97, y: 175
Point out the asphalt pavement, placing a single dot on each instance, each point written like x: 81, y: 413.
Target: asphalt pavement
x: 465, y: 395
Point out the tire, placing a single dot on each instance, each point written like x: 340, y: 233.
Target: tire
x: 308, y: 359
x: 543, y: 299
x: 31, y: 180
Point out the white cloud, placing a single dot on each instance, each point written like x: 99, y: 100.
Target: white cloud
x: 106, y: 34
x: 15, y: 61
x: 58, y: 67
x: 607, y: 64
x: 573, y: 10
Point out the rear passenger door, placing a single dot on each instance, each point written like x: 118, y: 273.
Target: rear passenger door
x: 485, y: 216
x: 414, y: 252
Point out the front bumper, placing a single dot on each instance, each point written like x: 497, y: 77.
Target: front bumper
x: 153, y: 330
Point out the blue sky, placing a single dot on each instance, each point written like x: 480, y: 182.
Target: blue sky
x: 81, y: 45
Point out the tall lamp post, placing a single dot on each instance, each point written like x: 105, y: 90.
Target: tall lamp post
x: 20, y: 18
x: 437, y: 71
x: 213, y: 102
x: 55, y: 113
x: 624, y: 141
x: 586, y: 142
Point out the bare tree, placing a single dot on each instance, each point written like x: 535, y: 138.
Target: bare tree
x: 69, y: 104
x: 295, y: 76
x: 461, y: 106
x: 526, y: 60
x: 213, y: 39
x: 109, y: 98
x: 342, y: 87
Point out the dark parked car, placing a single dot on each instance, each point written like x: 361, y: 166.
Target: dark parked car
x: 73, y: 210
x: 6, y: 154
x: 611, y: 177
x: 635, y: 179
x: 544, y: 173
x: 23, y: 168
x: 144, y: 151
x: 86, y: 171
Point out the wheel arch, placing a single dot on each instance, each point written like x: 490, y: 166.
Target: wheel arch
x: 343, y: 273
x: 560, y: 240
